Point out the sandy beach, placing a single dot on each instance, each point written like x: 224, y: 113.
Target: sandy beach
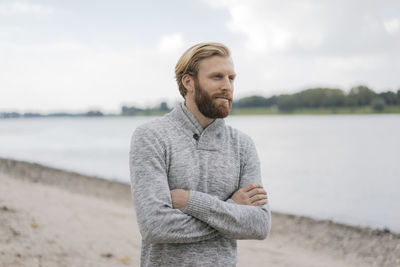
x: 50, y: 217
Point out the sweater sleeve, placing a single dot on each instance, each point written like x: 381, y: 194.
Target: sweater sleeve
x: 230, y: 219
x: 158, y: 221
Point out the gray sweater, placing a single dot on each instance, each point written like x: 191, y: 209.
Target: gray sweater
x: 164, y: 155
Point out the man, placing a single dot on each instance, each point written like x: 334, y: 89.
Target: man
x: 196, y: 182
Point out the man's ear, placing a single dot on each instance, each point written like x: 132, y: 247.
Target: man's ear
x: 188, y: 82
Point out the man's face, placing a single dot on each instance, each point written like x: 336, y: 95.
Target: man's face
x: 214, y: 87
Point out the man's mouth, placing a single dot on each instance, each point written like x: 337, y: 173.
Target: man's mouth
x: 225, y: 99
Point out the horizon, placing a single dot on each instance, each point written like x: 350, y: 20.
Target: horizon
x: 170, y: 105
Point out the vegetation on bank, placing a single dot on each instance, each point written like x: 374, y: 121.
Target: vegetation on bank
x: 359, y: 100
x: 315, y: 111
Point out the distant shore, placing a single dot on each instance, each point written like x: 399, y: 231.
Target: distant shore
x: 50, y: 217
x: 317, y: 111
x: 234, y: 112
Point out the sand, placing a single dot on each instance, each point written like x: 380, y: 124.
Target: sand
x: 50, y: 217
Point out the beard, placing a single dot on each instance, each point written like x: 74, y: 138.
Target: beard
x: 207, y: 104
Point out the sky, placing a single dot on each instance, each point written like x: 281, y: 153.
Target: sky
x: 70, y: 55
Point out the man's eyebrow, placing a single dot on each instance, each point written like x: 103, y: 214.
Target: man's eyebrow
x: 215, y: 73
x: 221, y: 73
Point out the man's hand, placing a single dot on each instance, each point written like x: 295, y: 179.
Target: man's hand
x: 180, y: 198
x: 251, y: 194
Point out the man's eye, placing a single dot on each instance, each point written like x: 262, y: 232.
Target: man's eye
x: 217, y: 76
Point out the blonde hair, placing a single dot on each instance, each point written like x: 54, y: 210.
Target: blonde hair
x: 189, y: 61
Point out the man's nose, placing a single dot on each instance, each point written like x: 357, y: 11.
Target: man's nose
x: 228, y: 84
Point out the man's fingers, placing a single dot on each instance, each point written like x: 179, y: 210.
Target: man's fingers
x: 249, y: 187
x: 260, y: 202
x: 256, y: 191
x: 258, y: 197
x: 250, y: 194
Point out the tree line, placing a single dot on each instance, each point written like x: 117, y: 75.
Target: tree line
x: 90, y: 113
x: 359, y: 96
x: 134, y: 111
x: 313, y: 98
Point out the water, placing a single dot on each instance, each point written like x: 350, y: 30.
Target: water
x: 343, y: 167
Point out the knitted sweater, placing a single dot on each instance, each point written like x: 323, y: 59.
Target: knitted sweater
x: 173, y: 152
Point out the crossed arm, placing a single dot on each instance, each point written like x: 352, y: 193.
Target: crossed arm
x: 251, y: 194
x: 232, y: 219
x: 181, y: 216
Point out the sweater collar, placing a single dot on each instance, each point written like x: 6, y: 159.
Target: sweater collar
x: 209, y: 137
x: 193, y: 120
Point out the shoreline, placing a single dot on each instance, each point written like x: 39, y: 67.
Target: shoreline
x: 294, y: 240
x: 250, y: 111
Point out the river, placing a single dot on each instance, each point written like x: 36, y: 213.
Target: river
x: 345, y: 168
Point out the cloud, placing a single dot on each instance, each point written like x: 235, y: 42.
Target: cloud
x: 277, y: 47
x: 12, y: 8
x: 74, y: 76
x: 272, y: 26
x: 307, y: 25
x: 296, y: 44
x: 172, y: 42
x: 392, y: 26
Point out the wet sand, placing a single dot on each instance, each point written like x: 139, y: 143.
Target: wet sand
x: 50, y: 217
